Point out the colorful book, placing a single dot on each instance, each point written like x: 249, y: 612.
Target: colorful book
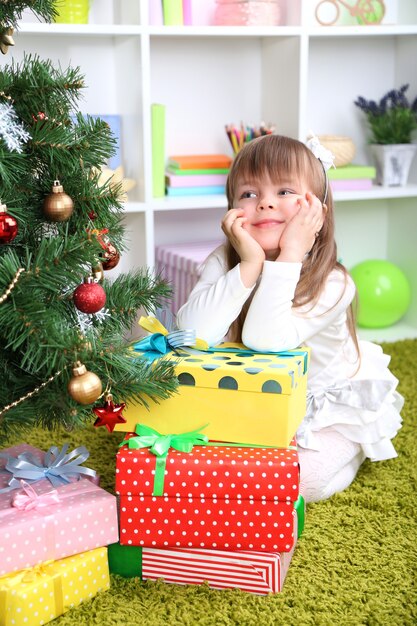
x: 200, y: 161
x: 205, y: 190
x: 204, y: 180
x: 351, y: 171
x: 158, y: 150
x: 179, y: 172
x: 187, y: 12
x: 172, y: 10
x: 156, y: 17
x: 351, y: 184
x: 114, y: 122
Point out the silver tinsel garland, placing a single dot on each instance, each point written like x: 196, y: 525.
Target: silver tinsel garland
x: 11, y: 129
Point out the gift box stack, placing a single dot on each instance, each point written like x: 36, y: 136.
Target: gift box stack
x: 219, y: 501
x: 197, y: 174
x: 56, y: 524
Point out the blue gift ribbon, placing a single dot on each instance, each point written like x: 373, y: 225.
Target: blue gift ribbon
x: 156, y: 345
x: 247, y: 351
x: 58, y: 466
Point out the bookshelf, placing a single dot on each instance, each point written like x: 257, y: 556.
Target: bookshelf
x: 299, y: 76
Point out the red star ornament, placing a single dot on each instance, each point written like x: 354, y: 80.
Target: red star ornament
x: 110, y: 414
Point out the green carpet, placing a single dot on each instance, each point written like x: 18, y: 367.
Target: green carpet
x: 356, y: 562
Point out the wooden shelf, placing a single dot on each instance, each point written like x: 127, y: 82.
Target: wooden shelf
x: 208, y: 76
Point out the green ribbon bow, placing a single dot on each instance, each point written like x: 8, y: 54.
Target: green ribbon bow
x: 160, y: 444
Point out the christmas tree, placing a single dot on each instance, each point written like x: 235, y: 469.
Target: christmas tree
x: 62, y: 319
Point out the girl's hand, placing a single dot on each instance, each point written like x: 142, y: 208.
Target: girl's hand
x: 250, y: 252
x: 233, y: 226
x: 300, y: 233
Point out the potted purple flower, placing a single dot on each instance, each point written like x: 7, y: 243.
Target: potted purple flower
x: 391, y: 121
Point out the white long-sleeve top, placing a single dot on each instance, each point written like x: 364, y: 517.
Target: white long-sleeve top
x: 272, y: 323
x: 358, y: 398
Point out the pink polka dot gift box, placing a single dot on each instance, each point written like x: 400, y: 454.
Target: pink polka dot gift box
x: 42, y: 520
x: 216, y: 496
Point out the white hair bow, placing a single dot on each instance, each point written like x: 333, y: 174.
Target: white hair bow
x: 320, y: 152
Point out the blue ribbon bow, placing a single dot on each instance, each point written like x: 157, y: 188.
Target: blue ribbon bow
x: 156, y: 345
x: 58, y: 466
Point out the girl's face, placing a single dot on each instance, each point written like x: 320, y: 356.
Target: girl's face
x: 268, y: 208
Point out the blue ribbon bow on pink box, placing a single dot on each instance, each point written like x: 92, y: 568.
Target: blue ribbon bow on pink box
x: 58, y: 466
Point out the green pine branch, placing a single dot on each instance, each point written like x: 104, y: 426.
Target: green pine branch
x: 42, y: 334
x: 12, y: 167
x: 37, y: 87
x: 11, y: 11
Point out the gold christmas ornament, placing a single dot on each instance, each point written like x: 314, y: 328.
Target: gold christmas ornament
x: 6, y: 39
x: 97, y: 272
x: 58, y: 205
x: 85, y: 387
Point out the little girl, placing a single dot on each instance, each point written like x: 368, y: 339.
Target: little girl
x: 276, y: 284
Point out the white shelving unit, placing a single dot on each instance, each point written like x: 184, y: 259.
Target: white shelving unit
x: 299, y: 76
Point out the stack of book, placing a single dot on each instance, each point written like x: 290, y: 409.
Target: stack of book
x: 196, y: 175
x: 352, y: 177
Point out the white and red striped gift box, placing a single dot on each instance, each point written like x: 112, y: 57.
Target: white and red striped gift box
x: 180, y: 265
x: 254, y: 572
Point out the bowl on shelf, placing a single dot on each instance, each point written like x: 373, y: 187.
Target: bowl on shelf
x: 343, y: 148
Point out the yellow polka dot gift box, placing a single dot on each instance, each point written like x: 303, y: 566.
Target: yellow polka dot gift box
x: 211, y: 496
x: 36, y: 596
x: 42, y: 520
x: 242, y: 396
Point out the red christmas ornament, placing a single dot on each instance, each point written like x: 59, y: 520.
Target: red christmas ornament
x: 111, y: 256
x: 40, y: 117
x: 110, y: 414
x: 8, y: 225
x: 89, y: 297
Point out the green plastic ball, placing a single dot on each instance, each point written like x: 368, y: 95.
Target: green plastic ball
x: 384, y: 293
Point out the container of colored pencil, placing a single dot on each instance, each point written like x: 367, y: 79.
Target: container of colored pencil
x: 240, y: 135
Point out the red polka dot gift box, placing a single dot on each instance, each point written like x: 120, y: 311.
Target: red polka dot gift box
x: 42, y: 520
x: 216, y: 496
x: 243, y: 396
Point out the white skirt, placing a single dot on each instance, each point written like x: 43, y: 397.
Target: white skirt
x: 364, y: 409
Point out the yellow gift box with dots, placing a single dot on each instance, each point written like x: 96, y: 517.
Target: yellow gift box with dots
x: 240, y: 395
x: 37, y: 595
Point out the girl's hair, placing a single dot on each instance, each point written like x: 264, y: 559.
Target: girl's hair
x: 280, y: 158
